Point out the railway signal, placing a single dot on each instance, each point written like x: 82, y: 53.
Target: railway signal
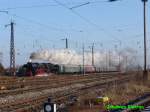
x: 49, y: 106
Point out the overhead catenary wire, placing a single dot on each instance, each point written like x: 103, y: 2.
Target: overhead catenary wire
x: 36, y: 37
x: 61, y: 30
x: 41, y: 24
x: 30, y: 32
x: 50, y: 5
x: 30, y: 6
x: 80, y: 5
x: 86, y: 20
x: 88, y: 3
x: 35, y: 22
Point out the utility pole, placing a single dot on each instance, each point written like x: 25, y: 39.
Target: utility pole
x: 106, y: 62
x: 1, y: 57
x: 126, y: 59
x: 109, y: 61
x: 118, y: 57
x: 83, y: 60
x: 93, y: 54
x: 66, y: 41
x: 145, y: 73
x: 119, y: 61
x: 12, y: 50
x: 119, y: 51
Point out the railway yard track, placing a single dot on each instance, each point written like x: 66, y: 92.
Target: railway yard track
x: 49, y: 85
x: 29, y: 93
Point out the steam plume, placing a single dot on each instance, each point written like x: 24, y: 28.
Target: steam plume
x: 114, y: 59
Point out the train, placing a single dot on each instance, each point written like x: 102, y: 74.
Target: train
x: 43, y: 69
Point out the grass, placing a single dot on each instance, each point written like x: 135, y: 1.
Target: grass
x: 124, y: 94
x: 118, y: 95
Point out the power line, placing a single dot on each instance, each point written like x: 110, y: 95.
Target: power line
x: 37, y: 36
x: 48, y: 5
x: 88, y: 3
x: 80, y: 5
x: 58, y: 29
x: 84, y: 19
x: 31, y: 6
x: 41, y: 24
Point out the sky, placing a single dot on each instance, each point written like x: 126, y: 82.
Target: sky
x: 42, y: 24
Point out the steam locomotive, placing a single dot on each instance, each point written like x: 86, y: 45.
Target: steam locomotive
x: 42, y: 69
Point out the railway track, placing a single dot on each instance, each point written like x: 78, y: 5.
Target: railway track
x: 53, y: 86
x: 45, y: 84
x: 36, y: 102
x: 48, y: 86
x: 16, y: 83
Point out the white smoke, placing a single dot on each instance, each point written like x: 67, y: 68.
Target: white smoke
x: 120, y: 59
